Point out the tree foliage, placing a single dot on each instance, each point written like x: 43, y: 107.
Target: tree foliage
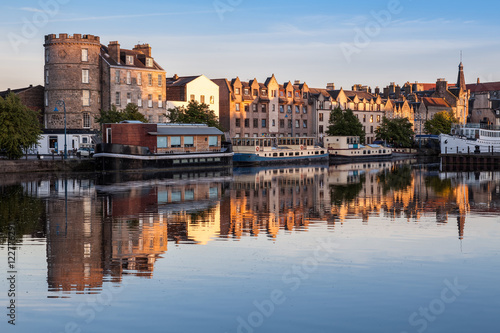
x: 194, y: 113
x: 440, y: 123
x: 131, y: 112
x: 345, y: 124
x: 19, y: 127
x: 398, y: 131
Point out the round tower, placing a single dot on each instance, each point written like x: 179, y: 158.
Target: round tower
x: 72, y: 75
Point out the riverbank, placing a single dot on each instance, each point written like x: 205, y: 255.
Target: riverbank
x: 36, y: 165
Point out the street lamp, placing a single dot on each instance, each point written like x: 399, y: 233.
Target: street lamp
x: 61, y: 102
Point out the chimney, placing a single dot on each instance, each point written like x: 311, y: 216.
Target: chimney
x: 114, y: 51
x: 397, y: 91
x: 377, y: 91
x: 296, y: 82
x: 176, y: 77
x: 441, y: 87
x: 478, y: 81
x: 330, y: 86
x: 144, y: 49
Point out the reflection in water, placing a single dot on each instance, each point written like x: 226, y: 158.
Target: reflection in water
x: 98, y: 233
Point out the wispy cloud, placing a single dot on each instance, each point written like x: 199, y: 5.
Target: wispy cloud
x: 31, y: 9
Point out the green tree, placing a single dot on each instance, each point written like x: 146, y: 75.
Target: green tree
x: 19, y: 127
x: 131, y: 112
x: 440, y: 123
x: 398, y: 131
x: 194, y: 113
x: 345, y: 124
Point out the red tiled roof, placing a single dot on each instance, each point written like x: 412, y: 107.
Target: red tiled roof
x: 487, y: 86
x: 436, y: 102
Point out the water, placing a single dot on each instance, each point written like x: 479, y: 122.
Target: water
x: 370, y: 247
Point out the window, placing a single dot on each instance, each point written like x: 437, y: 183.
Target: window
x: 371, y: 119
x: 263, y: 108
x: 130, y: 60
x: 129, y: 98
x: 304, y: 95
x: 188, y: 141
x: 129, y: 77
x: 289, y: 94
x: 289, y: 123
x: 161, y: 141
x: 378, y: 119
x: 86, y: 97
x: 237, y: 106
x: 85, y: 55
x: 246, y: 91
x: 150, y: 119
x: 254, y: 107
x: 149, y: 62
x: 150, y: 101
x: 212, y: 99
x: 282, y: 123
x: 304, y: 123
x: 304, y: 109
x: 255, y: 123
x: 263, y: 93
x: 139, y: 100
x: 202, y: 99
x: 236, y: 91
x: 85, y: 76
x: 117, y: 98
x: 117, y: 76
x: 289, y: 109
x: 371, y: 129
x: 150, y: 79
x: 47, y: 76
x: 160, y: 80
x: 212, y: 141
x: 274, y: 107
x: 255, y: 92
x: 160, y: 119
x: 160, y: 101
x: 364, y: 118
x: 282, y: 108
x: 282, y: 93
x: 297, y: 109
x: 320, y: 115
x: 47, y: 55
x: 238, y: 122
x: 191, y: 98
x: 175, y: 141
x: 297, y: 123
x: 297, y: 94
x: 274, y: 123
x: 321, y: 129
x: 263, y: 123
x: 46, y: 98
x: 247, y: 107
x: 86, y: 120
x: 247, y: 122
x: 139, y: 79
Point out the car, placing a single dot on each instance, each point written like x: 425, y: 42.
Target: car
x: 85, y: 151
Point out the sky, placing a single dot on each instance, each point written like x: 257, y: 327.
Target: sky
x: 364, y: 42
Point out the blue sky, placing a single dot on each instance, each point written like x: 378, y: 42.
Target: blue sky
x: 367, y: 42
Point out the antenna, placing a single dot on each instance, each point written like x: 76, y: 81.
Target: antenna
x: 460, y: 55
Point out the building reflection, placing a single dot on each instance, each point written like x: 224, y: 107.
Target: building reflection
x: 99, y: 233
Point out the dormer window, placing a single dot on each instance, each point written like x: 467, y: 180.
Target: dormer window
x: 149, y: 62
x: 129, y: 60
x: 246, y: 91
x: 236, y: 91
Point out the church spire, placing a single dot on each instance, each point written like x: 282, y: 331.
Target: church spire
x: 461, y: 77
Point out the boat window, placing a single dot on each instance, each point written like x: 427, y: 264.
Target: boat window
x: 188, y: 141
x: 161, y: 142
x: 175, y: 141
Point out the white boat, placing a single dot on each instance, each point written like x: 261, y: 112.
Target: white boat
x: 349, y: 148
x: 470, y: 138
x: 272, y: 150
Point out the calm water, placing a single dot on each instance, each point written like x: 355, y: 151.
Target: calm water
x: 374, y: 247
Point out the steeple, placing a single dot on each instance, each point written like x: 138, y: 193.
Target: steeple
x: 461, y: 78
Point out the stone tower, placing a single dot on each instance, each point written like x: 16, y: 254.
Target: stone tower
x: 72, y: 74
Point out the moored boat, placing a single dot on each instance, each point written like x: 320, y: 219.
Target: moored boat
x: 349, y: 149
x: 471, y: 138
x: 272, y: 150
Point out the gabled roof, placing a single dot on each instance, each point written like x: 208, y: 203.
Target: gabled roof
x: 138, y: 56
x: 180, y: 81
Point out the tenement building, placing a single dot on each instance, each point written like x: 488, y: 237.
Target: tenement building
x: 83, y: 77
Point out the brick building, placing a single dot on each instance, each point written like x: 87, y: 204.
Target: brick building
x: 31, y: 96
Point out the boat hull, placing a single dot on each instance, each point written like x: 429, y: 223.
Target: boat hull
x: 259, y: 159
x: 451, y: 144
